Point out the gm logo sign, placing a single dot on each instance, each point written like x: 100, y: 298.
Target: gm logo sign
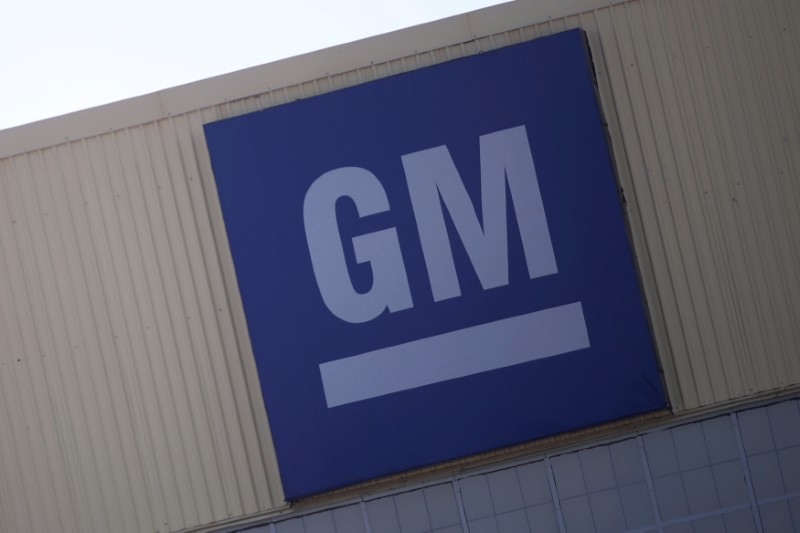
x: 435, y: 188
x: 434, y: 264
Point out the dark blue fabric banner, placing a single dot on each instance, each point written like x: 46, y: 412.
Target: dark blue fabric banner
x: 434, y: 264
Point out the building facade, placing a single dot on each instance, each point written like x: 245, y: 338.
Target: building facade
x: 130, y: 397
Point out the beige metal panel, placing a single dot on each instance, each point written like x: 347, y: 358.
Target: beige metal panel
x: 713, y: 153
x: 125, y: 402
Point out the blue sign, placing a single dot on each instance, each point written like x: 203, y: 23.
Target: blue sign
x: 434, y: 264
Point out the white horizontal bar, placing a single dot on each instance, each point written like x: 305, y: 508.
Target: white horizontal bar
x: 468, y: 351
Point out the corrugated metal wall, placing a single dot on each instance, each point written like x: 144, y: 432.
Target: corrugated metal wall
x: 128, y: 394
x: 707, y: 96
x: 125, y: 399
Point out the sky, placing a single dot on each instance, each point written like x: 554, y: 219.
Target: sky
x: 61, y: 56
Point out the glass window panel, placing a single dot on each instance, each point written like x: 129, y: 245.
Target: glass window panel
x: 680, y: 528
x: 598, y: 472
x: 660, y: 453
x: 765, y: 473
x: 740, y: 522
x: 696, y: 471
x: 290, y: 526
x: 636, y: 505
x: 607, y: 511
x: 756, y: 432
x: 627, y: 462
x: 476, y: 497
x: 505, y: 490
x: 789, y: 460
x: 483, y: 525
x: 670, y: 497
x: 729, y: 480
x: 794, y: 507
x: 513, y: 521
x: 449, y: 529
x: 720, y: 439
x: 412, y: 512
x: 382, y: 515
x: 701, y: 492
x: 442, y: 506
x: 712, y: 524
x: 690, y: 446
x: 348, y: 519
x: 534, y: 483
x: 319, y: 523
x: 542, y: 518
x: 785, y: 422
x: 577, y: 515
x: 776, y: 517
x: 568, y: 475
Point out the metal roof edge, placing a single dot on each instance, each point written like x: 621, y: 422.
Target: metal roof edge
x: 286, y: 72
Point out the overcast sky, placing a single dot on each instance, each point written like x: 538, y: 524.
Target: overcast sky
x: 60, y: 56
